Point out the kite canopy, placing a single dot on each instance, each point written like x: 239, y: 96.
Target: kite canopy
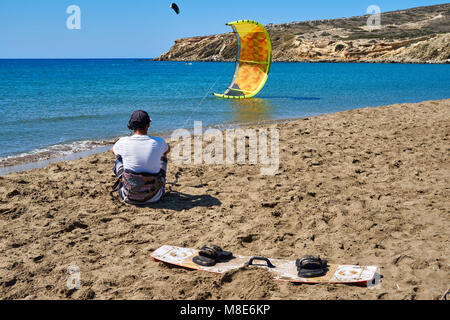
x: 253, y: 60
x: 175, y: 8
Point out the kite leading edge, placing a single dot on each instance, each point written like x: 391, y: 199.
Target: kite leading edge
x: 254, y: 56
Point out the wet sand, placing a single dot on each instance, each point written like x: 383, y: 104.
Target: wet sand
x: 367, y: 186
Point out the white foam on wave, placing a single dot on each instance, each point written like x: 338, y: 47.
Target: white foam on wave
x: 51, y: 152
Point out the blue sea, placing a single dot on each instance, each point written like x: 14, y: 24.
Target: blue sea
x: 66, y: 105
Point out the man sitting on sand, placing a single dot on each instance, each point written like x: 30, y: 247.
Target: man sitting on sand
x: 141, y: 162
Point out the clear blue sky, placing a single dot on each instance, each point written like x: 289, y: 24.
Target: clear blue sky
x: 147, y: 28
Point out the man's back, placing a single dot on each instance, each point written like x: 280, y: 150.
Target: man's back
x: 141, y: 153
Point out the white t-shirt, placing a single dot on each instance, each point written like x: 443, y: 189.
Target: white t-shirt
x: 141, y: 153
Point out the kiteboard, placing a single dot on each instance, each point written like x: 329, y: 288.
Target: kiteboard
x: 282, y: 270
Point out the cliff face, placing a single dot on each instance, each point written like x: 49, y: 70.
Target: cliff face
x: 434, y: 50
x: 413, y: 35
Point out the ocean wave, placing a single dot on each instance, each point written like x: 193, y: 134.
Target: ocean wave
x: 54, y: 151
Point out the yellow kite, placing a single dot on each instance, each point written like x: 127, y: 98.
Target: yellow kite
x: 253, y: 60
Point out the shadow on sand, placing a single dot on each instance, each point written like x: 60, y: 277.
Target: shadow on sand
x: 175, y: 200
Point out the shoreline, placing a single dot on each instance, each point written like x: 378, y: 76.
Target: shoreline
x: 51, y: 152
x: 312, y: 61
x: 233, y: 60
x: 43, y: 163
x: 43, y: 157
x: 36, y: 159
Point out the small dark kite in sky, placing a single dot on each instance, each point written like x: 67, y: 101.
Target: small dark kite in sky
x: 175, y: 8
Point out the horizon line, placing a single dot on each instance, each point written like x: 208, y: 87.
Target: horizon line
x: 74, y: 58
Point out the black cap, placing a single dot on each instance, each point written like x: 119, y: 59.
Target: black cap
x: 139, y: 119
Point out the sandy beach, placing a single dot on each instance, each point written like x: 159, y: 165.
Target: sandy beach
x: 367, y: 186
